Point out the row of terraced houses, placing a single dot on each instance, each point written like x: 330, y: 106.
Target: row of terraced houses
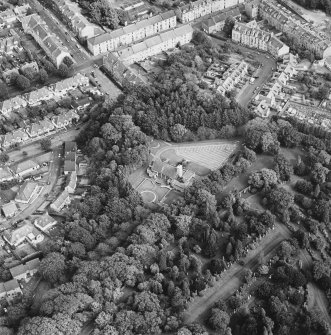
x: 34, y: 98
x: 156, y: 25
x: 303, y: 33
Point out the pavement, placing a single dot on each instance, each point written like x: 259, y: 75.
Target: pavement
x: 247, y: 93
x: 66, y: 37
x: 233, y: 277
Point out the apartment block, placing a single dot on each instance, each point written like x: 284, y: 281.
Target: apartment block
x: 303, y: 33
x: 249, y: 34
x: 131, y: 33
x: 37, y: 28
x: 156, y: 44
x: 76, y: 21
x: 216, y: 23
x: 200, y: 8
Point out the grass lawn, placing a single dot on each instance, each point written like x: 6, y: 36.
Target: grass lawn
x: 151, y: 192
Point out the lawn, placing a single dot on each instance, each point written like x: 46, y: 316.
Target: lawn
x: 202, y: 157
x: 151, y: 192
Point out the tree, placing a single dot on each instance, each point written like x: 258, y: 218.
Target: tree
x: 63, y: 71
x: 68, y: 61
x: 53, y: 267
x: 4, y: 157
x: 3, y: 91
x: 319, y: 173
x: 43, y: 75
x: 266, y: 179
x: 177, y: 132
x: 283, y: 167
x: 228, y: 25
x: 22, y: 82
x: 38, y: 326
x: 219, y: 320
x: 45, y: 144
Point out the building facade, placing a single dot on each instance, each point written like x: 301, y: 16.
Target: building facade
x: 132, y: 33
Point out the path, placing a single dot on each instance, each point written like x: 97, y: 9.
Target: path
x: 233, y: 277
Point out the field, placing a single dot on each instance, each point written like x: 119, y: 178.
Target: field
x: 151, y: 192
x: 203, y: 157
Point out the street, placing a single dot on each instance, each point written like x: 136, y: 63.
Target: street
x: 233, y: 277
x: 265, y: 72
x: 65, y: 36
x: 33, y: 149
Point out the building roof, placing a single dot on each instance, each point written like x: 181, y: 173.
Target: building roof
x: 24, y: 166
x: 70, y: 146
x: 11, y: 285
x: 71, y: 180
x: 44, y: 220
x: 5, y: 173
x: 9, y: 209
x: 61, y: 199
x: 14, y: 235
x: 26, y: 191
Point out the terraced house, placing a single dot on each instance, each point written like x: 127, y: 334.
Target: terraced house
x: 37, y: 28
x: 132, y: 33
x: 303, y: 33
x: 156, y: 44
x: 249, y: 34
x: 197, y: 9
x: 77, y: 22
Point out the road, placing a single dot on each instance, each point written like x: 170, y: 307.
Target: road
x: 34, y: 148
x: 64, y: 35
x: 233, y: 278
x: 265, y: 72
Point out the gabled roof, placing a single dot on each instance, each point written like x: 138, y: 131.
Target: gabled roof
x: 61, y: 199
x: 44, y: 220
x: 23, y: 166
x: 9, y: 209
x: 26, y: 191
x: 14, y: 235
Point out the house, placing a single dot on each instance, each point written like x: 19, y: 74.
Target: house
x: 131, y: 33
x: 82, y: 103
x: 36, y: 97
x: 44, y: 222
x: 9, y: 210
x: 77, y: 22
x: 303, y: 33
x: 249, y: 34
x: 252, y: 8
x: 16, y: 236
x: 176, y: 176
x: 216, y: 22
x: 71, y: 182
x: 66, y: 119
x: 156, y: 44
x: 35, y: 238
x: 62, y: 200
x: 5, y: 174
x: 24, y: 168
x: 27, y: 191
x: 8, y: 16
x: 25, y: 271
x: 21, y: 11
x: 37, y: 28
x: 64, y: 86
x: 19, y: 136
x: 10, y: 289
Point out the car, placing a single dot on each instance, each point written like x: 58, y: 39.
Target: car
x: 48, y: 183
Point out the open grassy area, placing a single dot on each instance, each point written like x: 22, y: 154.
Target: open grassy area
x: 152, y: 192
